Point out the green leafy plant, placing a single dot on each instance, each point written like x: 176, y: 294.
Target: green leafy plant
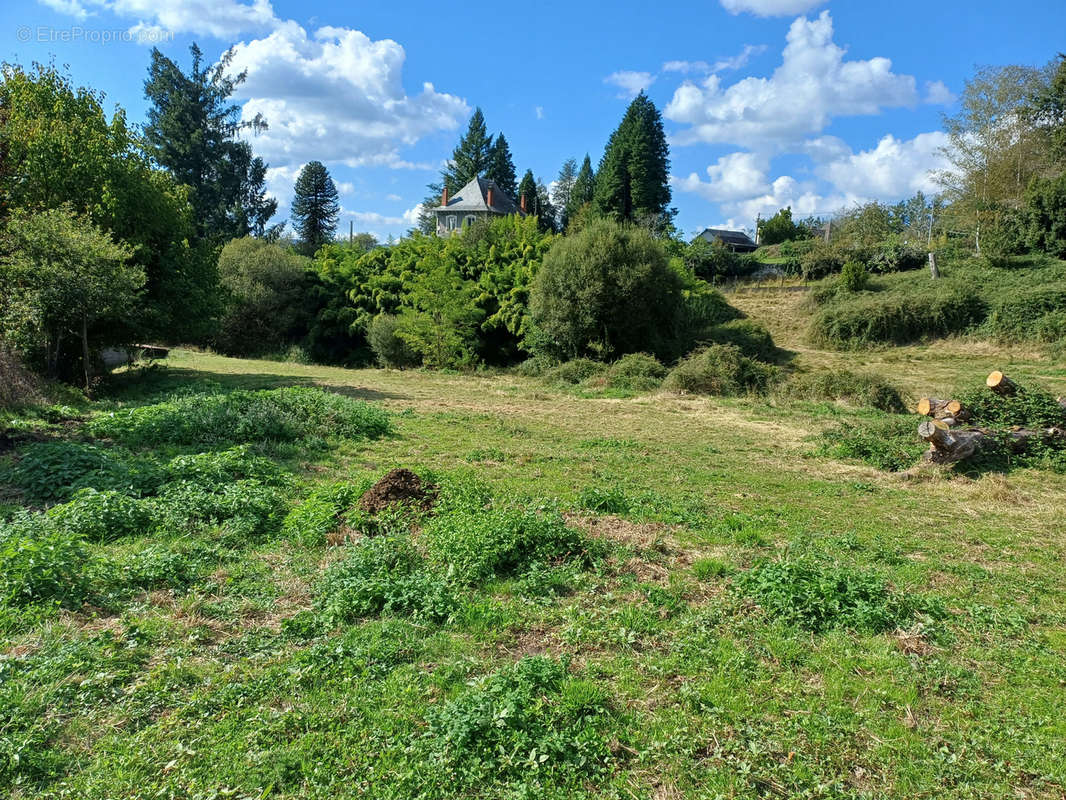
x: 888, y: 444
x: 322, y: 512
x: 42, y: 562
x: 864, y: 391
x: 720, y: 369
x: 101, y: 516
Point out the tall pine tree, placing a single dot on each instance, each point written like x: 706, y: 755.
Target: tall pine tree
x: 315, y: 207
x: 632, y: 183
x: 537, y: 201
x: 564, y: 188
x: 470, y: 158
x: 192, y: 132
x: 501, y: 166
x: 583, y: 191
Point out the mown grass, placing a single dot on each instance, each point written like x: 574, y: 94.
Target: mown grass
x: 658, y: 596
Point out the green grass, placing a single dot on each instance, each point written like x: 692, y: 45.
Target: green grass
x: 659, y: 596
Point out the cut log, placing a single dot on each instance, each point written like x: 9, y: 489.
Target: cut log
x: 947, y: 446
x: 1062, y: 402
x: 950, y: 411
x: 1001, y: 384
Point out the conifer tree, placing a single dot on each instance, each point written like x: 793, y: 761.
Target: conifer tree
x: 564, y: 188
x: 471, y: 156
x: 632, y: 181
x: 315, y: 207
x: 501, y: 166
x: 583, y: 191
x: 192, y: 132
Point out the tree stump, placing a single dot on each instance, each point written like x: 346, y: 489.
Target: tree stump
x: 1001, y: 384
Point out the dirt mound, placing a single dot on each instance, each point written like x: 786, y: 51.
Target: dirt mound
x: 399, y: 487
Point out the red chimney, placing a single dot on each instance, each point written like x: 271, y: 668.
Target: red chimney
x: 444, y: 196
x: 522, y: 202
x: 488, y: 200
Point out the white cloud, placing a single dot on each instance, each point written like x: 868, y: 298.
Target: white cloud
x: 813, y: 84
x: 938, y: 94
x: 630, y: 82
x: 770, y: 8
x: 393, y: 197
x: 539, y: 111
x: 894, y: 169
x: 737, y: 176
x: 337, y: 96
x: 409, y: 217
x: 222, y: 19
x: 686, y: 66
x: 740, y: 59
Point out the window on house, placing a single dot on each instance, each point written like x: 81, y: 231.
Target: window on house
x: 452, y: 222
x: 470, y: 219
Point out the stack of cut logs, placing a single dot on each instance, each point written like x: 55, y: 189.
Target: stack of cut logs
x: 949, y: 442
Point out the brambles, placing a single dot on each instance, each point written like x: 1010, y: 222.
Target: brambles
x: 720, y: 369
x: 819, y: 596
x: 888, y: 444
x: 42, y: 562
x: 863, y: 391
x: 321, y: 512
x: 271, y: 415
x: 530, y: 721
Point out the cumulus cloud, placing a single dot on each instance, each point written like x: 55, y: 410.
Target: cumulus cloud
x: 686, y: 66
x: 738, y: 61
x: 222, y: 19
x: 894, y: 168
x: 337, y: 96
x: 737, y: 176
x: 938, y: 94
x: 813, y: 84
x: 409, y: 217
x: 630, y: 82
x: 770, y: 8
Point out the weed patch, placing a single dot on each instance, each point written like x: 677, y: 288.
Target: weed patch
x: 863, y: 391
x: 720, y: 369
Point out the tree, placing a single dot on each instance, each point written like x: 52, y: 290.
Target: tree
x: 440, y: 317
x: 265, y: 285
x: 1045, y: 216
x: 472, y: 156
x: 779, y: 228
x: 1047, y: 109
x: 315, y: 207
x: 60, y: 275
x: 583, y: 192
x: 632, y: 182
x: 538, y: 204
x: 527, y: 188
x: 192, y: 132
x: 501, y: 167
x: 994, y: 148
x: 605, y: 291
x: 61, y: 150
x: 564, y: 189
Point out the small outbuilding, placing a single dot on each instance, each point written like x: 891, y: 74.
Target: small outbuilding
x: 479, y: 199
x: 737, y: 241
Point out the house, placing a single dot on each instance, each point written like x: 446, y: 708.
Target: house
x: 737, y: 241
x: 479, y: 199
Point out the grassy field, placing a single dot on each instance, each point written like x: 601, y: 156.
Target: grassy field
x: 748, y: 618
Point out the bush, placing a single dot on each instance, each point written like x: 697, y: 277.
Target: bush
x: 476, y: 546
x: 751, y: 337
x: 382, y: 575
x: 246, y: 508
x: 1023, y: 313
x: 18, y: 386
x: 321, y: 513
x: 821, y: 261
x: 720, y: 369
x: 889, y: 444
x: 529, y: 721
x: 936, y: 308
x: 894, y: 256
x: 223, y: 466
x: 606, y: 291
x: 1029, y: 408
x: 102, y: 516
x: 242, y: 416
x: 390, y: 349
x: 637, y: 372
x: 571, y: 373
x: 48, y: 472
x: 161, y: 566
x: 42, y: 562
x: 536, y: 366
x: 854, y: 277
x: 863, y: 391
x: 818, y: 597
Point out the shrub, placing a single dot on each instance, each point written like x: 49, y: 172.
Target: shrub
x: 821, y: 261
x: 321, y: 513
x: 854, y: 277
x: 48, y: 472
x: 606, y: 291
x: 1029, y: 408
x: 18, y: 386
x: 865, y: 391
x: 246, y: 508
x: 223, y: 466
x: 637, y: 372
x: 751, y: 337
x: 390, y: 349
x: 720, y: 369
x: 817, y: 596
x: 937, y: 308
x: 161, y: 566
x: 529, y: 721
x: 42, y: 562
x: 895, y: 256
x: 102, y: 516
x: 382, y: 575
x: 535, y: 366
x: 1022, y: 313
x: 888, y: 444
x: 475, y: 546
x: 571, y: 373
x: 283, y: 415
x: 612, y: 500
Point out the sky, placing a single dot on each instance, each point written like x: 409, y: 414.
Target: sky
x: 766, y: 103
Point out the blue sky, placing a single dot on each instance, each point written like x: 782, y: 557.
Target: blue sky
x: 816, y: 105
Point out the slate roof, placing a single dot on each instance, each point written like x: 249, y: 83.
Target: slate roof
x: 736, y: 239
x: 474, y: 197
